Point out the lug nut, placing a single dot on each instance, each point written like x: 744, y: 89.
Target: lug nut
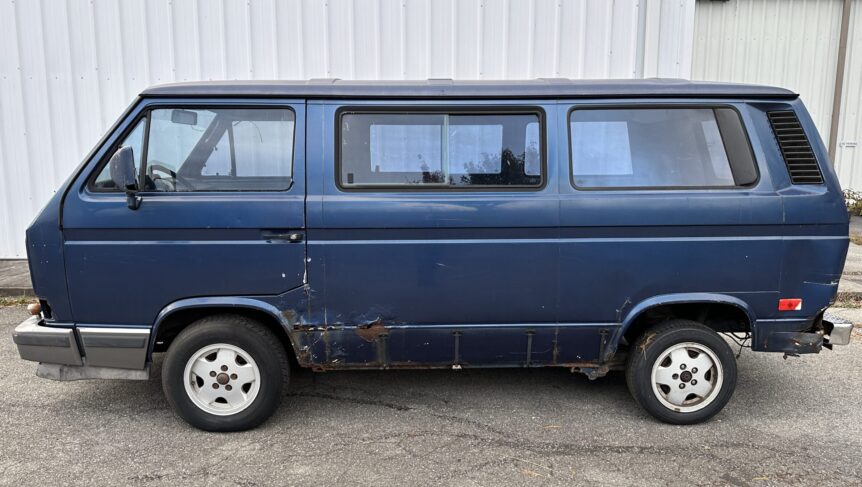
x: 224, y: 368
x: 681, y: 366
x: 682, y: 386
x: 675, y: 376
x: 215, y: 385
x: 228, y: 387
x: 694, y: 370
x: 694, y: 382
x: 233, y: 376
x: 212, y: 373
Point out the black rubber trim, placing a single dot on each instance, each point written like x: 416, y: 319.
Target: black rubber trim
x: 114, y: 342
x: 42, y: 341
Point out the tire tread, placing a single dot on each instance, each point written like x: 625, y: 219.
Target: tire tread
x: 640, y: 348
x: 215, y: 325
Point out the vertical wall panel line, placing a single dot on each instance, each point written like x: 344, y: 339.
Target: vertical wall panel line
x: 172, y: 51
x: 48, y: 96
x: 79, y: 135
x: 531, y: 36
x: 453, y: 50
x: 558, y: 18
x: 378, y: 56
x: 95, y: 40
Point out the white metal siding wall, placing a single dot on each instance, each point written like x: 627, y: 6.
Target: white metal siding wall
x: 788, y: 43
x: 68, y: 68
x: 848, y: 159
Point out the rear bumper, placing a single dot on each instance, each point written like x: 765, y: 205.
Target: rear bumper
x: 86, y: 347
x: 838, y: 331
x: 800, y: 336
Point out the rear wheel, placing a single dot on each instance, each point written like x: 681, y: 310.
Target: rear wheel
x: 681, y: 372
x: 225, y: 373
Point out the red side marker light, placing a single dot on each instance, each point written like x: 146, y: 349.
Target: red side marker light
x: 790, y: 304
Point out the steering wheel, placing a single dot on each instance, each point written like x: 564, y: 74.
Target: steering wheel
x: 157, y: 166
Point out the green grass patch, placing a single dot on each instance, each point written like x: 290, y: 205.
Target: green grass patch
x: 6, y: 302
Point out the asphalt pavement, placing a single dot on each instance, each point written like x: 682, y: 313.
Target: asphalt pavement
x: 794, y: 421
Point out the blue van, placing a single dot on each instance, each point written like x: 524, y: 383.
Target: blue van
x: 249, y: 228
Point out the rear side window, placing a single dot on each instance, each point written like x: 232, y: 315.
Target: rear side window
x: 439, y: 150
x: 659, y: 148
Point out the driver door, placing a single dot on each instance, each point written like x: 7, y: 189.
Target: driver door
x: 221, y: 214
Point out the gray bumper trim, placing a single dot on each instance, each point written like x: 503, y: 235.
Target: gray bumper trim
x: 123, y: 348
x: 101, y: 347
x: 40, y: 343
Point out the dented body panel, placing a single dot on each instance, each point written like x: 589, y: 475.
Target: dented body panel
x: 553, y: 275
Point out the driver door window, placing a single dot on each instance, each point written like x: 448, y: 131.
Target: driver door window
x: 219, y: 149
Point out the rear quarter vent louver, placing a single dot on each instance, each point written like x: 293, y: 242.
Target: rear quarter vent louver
x: 795, y: 148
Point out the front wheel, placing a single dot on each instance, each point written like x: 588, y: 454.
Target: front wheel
x: 225, y: 373
x: 681, y: 372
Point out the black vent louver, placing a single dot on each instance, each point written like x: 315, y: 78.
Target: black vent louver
x: 795, y: 148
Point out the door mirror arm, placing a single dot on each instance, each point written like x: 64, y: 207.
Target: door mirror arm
x: 133, y: 201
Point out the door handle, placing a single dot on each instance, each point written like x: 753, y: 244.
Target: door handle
x: 292, y: 237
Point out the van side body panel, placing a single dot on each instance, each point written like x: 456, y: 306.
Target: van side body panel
x: 431, y: 278
x: 547, y: 276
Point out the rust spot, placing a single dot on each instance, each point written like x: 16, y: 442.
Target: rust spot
x: 323, y: 367
x: 289, y: 315
x: 371, y: 331
x: 575, y: 365
x: 647, y: 340
x: 303, y: 356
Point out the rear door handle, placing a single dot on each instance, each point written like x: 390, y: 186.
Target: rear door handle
x: 292, y: 237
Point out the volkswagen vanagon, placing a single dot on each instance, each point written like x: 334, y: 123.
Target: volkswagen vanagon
x: 248, y: 228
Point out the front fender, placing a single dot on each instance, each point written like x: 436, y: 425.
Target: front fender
x: 215, y: 302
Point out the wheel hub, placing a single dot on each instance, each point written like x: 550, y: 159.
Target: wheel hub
x: 687, y: 377
x: 222, y: 379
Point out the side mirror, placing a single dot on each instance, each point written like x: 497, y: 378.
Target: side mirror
x: 124, y: 175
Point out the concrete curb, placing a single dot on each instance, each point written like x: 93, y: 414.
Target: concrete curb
x: 16, y: 292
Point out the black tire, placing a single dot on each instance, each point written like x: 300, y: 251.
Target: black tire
x: 652, y: 345
x: 251, y: 337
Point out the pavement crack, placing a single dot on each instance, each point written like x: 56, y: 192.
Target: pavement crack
x: 353, y: 400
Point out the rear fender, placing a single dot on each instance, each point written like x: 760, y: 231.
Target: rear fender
x: 668, y: 299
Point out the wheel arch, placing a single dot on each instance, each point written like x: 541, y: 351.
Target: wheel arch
x: 178, y: 315
x: 724, y: 308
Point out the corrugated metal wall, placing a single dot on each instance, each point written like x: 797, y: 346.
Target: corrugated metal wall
x: 848, y: 159
x: 788, y: 43
x: 68, y: 68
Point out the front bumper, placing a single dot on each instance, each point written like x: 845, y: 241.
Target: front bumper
x: 89, y: 348
x: 40, y: 343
